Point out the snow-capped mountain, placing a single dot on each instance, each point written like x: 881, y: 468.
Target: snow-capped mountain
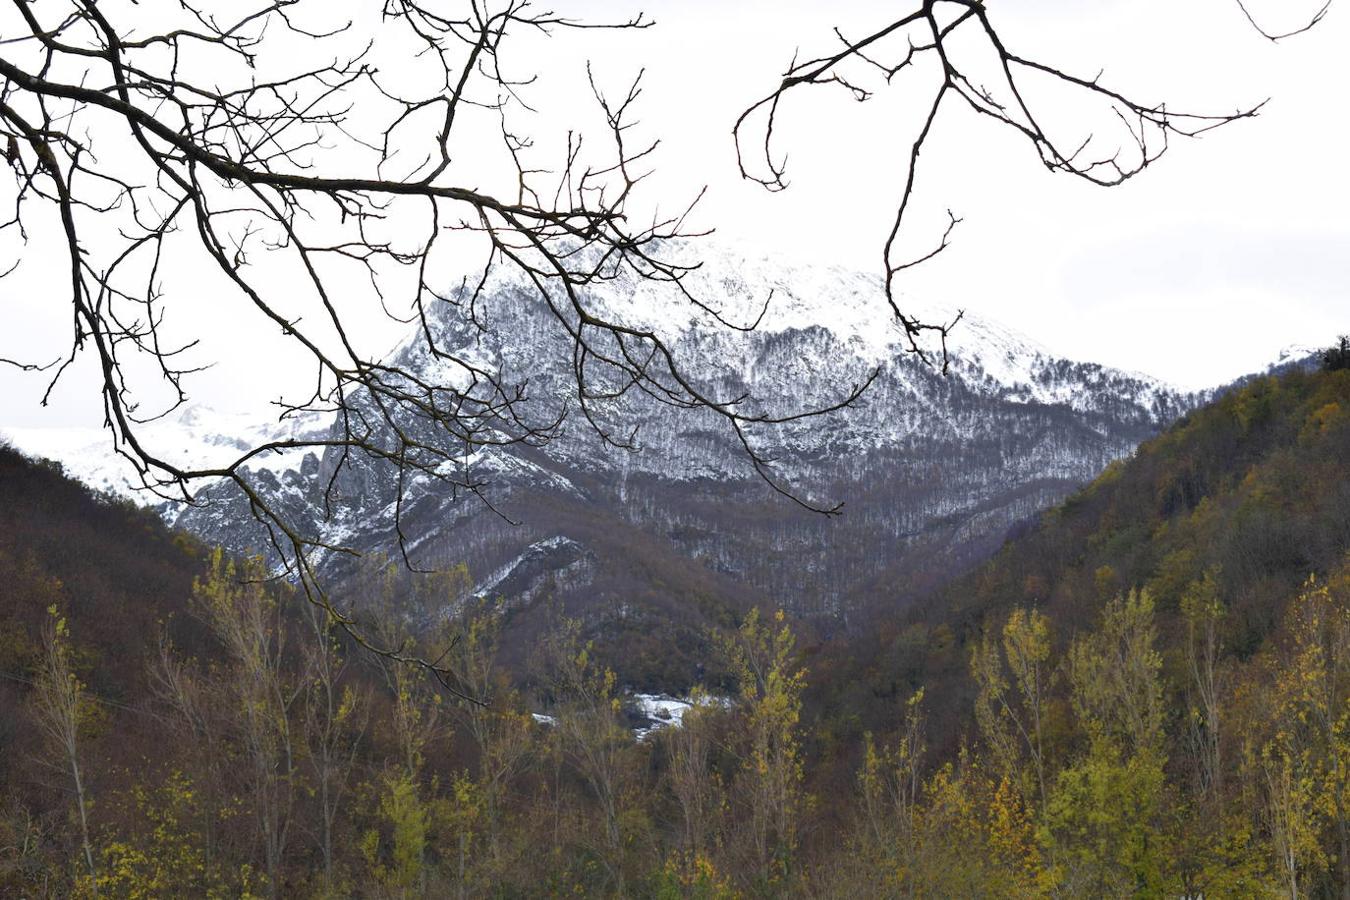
x: 933, y: 469
x: 193, y: 436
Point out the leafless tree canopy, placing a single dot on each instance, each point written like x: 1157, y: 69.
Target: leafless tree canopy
x: 950, y: 53
x: 140, y: 136
x: 1276, y: 36
x: 263, y: 139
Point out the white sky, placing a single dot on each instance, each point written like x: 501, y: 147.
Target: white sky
x: 1205, y: 267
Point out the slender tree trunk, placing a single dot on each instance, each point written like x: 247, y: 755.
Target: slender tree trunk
x: 327, y: 838
x: 84, y: 818
x: 463, y: 858
x: 1343, y: 858
x: 58, y: 707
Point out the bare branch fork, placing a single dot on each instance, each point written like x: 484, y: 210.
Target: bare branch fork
x: 145, y: 141
x: 141, y: 138
x: 943, y: 44
x: 1277, y: 36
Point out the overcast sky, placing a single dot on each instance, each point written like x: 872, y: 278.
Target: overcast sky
x: 1208, y: 265
x: 1229, y: 249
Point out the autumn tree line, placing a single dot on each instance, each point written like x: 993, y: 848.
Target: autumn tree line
x: 1146, y: 695
x: 1102, y: 765
x: 288, y: 764
x: 1097, y: 764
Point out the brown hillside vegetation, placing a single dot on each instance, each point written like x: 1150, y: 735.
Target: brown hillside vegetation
x: 1146, y: 694
x: 1209, y: 575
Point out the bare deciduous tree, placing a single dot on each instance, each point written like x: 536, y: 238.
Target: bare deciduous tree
x: 170, y: 146
x: 335, y: 720
x: 694, y: 784
x: 957, y: 55
x: 61, y: 705
x: 262, y: 154
x: 247, y: 621
x: 501, y: 727
x: 591, y: 735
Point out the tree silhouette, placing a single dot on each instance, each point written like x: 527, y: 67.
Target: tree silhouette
x: 955, y: 53
x: 1337, y: 358
x: 278, y: 149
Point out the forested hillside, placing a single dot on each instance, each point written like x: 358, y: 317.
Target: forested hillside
x: 1147, y: 693
x: 1154, y: 675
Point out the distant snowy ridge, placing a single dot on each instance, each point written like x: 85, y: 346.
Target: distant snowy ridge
x: 933, y: 468
x: 194, y: 436
x: 848, y: 308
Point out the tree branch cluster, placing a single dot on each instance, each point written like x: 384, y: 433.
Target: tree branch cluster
x: 264, y: 148
x: 947, y: 53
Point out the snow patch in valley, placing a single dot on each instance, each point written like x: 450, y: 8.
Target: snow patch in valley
x: 665, y: 711
x: 654, y: 712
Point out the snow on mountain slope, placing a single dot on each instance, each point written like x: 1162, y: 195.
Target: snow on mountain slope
x: 194, y: 436
x: 849, y: 305
x: 845, y: 310
x: 934, y: 469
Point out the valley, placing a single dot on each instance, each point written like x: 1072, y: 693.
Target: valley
x: 933, y: 469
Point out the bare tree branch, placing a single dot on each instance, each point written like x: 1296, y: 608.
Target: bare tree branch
x: 953, y: 51
x: 1277, y: 36
x: 227, y: 134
